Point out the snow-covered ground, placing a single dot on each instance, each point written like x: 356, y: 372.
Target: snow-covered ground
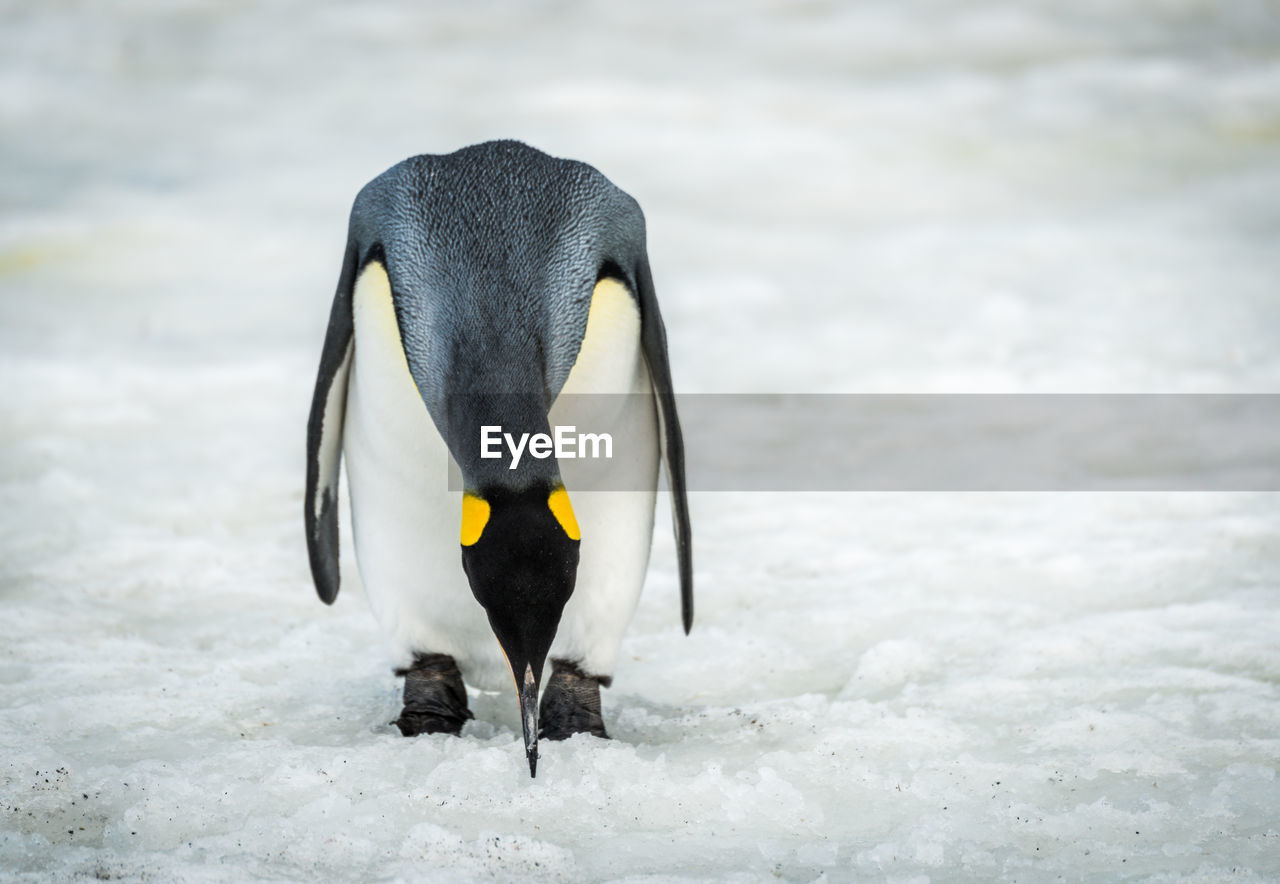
x: 922, y: 196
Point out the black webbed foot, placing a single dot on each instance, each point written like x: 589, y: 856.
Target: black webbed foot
x: 435, y: 700
x: 570, y: 703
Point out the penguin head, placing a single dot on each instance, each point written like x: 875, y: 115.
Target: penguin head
x: 520, y: 554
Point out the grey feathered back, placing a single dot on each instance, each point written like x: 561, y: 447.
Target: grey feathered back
x: 496, y: 249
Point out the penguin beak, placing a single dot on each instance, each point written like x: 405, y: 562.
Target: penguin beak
x: 527, y: 679
x: 528, y: 692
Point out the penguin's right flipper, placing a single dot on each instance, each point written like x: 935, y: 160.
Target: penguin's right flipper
x: 324, y: 437
x: 653, y: 339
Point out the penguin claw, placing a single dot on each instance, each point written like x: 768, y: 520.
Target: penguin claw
x: 435, y: 699
x: 412, y: 723
x: 570, y: 704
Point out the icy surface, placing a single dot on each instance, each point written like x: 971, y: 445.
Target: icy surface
x: 921, y: 196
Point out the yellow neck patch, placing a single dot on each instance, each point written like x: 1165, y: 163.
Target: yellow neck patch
x: 563, y: 511
x: 375, y: 317
x: 606, y: 360
x: 475, y: 515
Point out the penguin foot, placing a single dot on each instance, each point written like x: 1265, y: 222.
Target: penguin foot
x: 435, y: 700
x: 571, y: 703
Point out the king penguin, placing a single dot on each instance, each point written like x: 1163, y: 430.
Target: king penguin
x: 495, y: 287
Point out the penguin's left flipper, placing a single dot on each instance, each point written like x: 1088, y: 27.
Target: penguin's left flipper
x: 324, y: 436
x: 570, y: 704
x: 653, y: 340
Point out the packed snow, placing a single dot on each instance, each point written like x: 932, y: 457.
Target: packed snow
x: 882, y: 197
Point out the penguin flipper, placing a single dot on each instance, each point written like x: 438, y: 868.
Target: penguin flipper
x: 653, y: 340
x: 324, y: 437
